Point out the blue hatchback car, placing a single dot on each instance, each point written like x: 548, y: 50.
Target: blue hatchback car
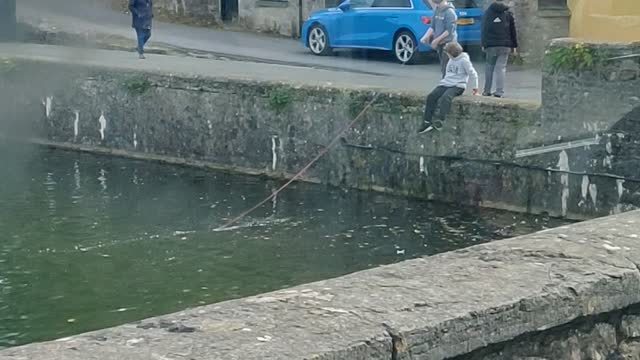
x: 392, y: 25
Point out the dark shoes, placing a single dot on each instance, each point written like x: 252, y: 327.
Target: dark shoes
x: 494, y: 95
x: 429, y: 126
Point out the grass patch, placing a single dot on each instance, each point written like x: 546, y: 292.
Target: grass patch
x: 280, y: 99
x: 576, y: 57
x: 138, y: 85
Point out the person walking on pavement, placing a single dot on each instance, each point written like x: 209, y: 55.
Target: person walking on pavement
x: 142, y: 15
x: 442, y: 31
x: 499, y: 39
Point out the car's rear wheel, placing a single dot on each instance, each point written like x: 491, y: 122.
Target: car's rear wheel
x: 405, y: 47
x: 318, y: 40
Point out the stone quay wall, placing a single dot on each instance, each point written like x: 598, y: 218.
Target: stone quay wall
x: 567, y: 293
x: 590, y: 121
x: 274, y: 129
x: 582, y: 100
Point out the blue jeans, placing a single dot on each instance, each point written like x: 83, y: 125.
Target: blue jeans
x: 143, y: 37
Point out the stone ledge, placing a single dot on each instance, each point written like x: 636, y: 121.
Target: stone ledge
x: 431, y: 308
x: 554, y: 13
x: 272, y: 3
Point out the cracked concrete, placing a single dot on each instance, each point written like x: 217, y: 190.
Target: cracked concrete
x: 547, y: 295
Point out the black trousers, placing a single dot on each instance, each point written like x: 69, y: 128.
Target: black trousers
x: 442, y: 95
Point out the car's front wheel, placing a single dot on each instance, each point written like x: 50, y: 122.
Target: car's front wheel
x: 405, y: 47
x: 318, y: 40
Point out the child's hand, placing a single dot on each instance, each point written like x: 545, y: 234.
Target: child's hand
x: 476, y: 92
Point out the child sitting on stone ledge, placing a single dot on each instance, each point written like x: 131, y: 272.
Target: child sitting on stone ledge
x: 454, y: 83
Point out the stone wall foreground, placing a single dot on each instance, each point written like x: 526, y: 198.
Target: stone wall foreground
x: 274, y: 129
x: 567, y: 293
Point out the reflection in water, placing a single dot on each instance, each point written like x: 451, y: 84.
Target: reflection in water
x: 80, y: 251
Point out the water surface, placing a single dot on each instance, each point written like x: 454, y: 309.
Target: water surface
x: 88, y: 241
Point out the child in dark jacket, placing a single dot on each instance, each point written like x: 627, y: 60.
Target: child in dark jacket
x: 459, y: 71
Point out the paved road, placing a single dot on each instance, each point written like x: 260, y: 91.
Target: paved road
x: 94, y: 17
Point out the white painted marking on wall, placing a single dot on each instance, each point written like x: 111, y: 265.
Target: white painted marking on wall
x: 76, y: 123
x: 48, y: 104
x: 563, y: 164
x: 593, y: 191
x: 585, y: 186
x: 103, y: 125
x: 135, y: 140
x: 620, y: 184
x: 422, y: 168
x: 274, y: 153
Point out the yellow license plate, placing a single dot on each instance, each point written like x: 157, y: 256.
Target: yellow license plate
x: 465, y: 21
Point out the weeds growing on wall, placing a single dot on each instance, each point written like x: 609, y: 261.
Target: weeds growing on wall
x: 279, y: 99
x: 138, y: 85
x: 576, y: 57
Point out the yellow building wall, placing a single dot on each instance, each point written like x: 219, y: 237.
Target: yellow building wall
x: 605, y: 20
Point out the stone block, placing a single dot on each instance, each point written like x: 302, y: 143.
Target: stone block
x: 630, y: 326
x: 630, y: 350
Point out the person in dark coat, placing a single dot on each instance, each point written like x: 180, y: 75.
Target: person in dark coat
x: 142, y: 15
x: 499, y: 39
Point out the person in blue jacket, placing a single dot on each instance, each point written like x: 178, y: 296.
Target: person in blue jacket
x: 142, y: 15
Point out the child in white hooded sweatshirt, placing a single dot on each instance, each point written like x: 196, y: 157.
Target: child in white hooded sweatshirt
x: 459, y: 71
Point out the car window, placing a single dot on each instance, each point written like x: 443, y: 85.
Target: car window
x: 358, y: 4
x: 391, y: 3
x: 463, y: 4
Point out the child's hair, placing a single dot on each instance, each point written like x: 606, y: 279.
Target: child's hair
x: 453, y: 48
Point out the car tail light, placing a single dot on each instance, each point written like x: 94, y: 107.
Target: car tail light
x: 425, y: 19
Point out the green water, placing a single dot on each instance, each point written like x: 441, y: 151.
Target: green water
x: 88, y: 242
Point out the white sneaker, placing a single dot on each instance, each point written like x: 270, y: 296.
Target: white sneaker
x: 426, y: 127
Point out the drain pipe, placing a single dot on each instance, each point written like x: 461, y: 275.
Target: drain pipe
x: 300, y: 19
x: 8, y: 20
x: 623, y: 57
